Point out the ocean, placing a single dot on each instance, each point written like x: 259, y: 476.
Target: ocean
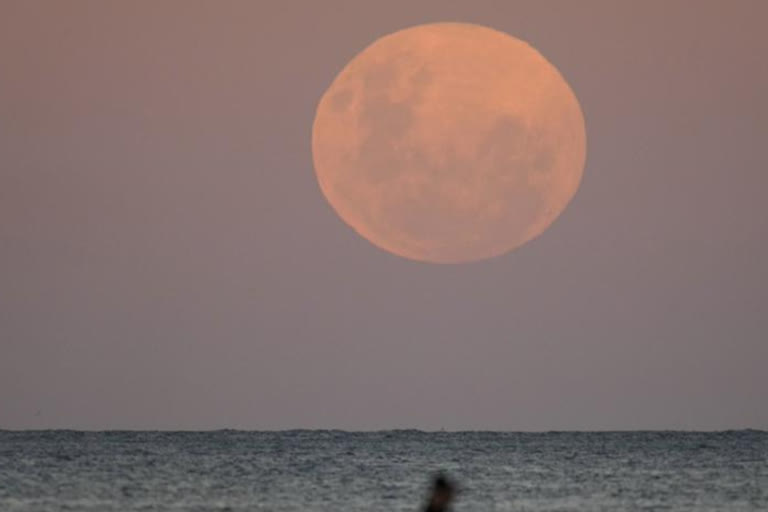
x: 311, y: 470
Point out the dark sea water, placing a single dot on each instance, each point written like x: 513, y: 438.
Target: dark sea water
x: 390, y: 470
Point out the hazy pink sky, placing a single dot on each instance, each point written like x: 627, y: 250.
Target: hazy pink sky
x: 168, y: 260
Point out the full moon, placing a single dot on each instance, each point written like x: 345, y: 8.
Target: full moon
x: 449, y: 143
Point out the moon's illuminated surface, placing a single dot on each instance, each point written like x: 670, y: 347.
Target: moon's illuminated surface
x: 449, y: 142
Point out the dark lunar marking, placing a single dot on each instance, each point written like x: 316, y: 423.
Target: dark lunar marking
x: 341, y: 100
x: 450, y: 169
x: 505, y: 142
x: 421, y: 79
x: 379, y: 78
x: 544, y: 161
x: 387, y: 119
x: 381, y: 154
x: 379, y: 160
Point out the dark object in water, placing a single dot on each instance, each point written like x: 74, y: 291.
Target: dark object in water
x: 442, y: 494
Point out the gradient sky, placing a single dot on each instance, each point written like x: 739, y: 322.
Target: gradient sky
x: 168, y: 260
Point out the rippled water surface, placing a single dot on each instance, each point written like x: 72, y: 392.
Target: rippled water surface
x: 331, y: 470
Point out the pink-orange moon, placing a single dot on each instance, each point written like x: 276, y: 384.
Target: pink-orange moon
x: 449, y: 142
